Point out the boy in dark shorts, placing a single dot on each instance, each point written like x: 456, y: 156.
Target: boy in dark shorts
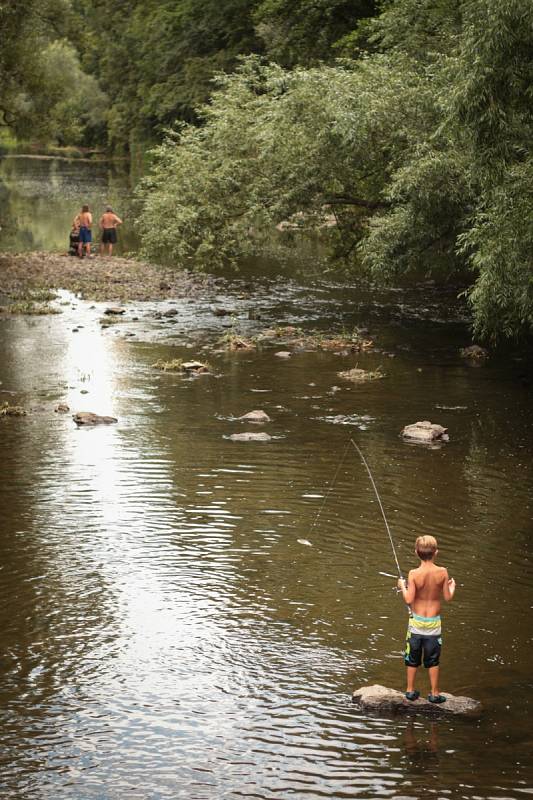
x: 423, y: 592
x: 108, y: 224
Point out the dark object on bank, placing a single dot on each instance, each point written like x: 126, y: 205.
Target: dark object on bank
x: 73, y: 242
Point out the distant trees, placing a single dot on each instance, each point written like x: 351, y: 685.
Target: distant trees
x: 421, y: 150
x: 44, y: 93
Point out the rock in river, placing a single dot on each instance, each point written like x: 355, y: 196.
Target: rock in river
x: 391, y: 701
x: 115, y: 310
x: 255, y: 416
x: 250, y: 437
x: 62, y: 408
x: 88, y: 418
x: 425, y: 432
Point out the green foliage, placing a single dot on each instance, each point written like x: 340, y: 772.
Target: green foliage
x: 420, y: 151
x: 306, y: 144
x: 305, y: 32
x: 44, y: 93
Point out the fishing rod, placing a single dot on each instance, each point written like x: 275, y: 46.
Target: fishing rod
x: 372, y: 481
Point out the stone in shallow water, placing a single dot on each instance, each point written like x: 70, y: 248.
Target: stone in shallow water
x: 88, y: 418
x: 255, y: 416
x: 115, y: 310
x: 250, y: 437
x: 391, y: 701
x: 425, y: 432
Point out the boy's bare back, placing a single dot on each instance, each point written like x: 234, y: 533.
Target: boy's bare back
x: 430, y: 584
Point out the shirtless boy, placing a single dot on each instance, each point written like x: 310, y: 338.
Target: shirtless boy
x: 85, y: 221
x: 423, y: 591
x: 108, y: 225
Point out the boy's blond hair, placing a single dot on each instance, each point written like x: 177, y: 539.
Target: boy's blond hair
x: 426, y: 547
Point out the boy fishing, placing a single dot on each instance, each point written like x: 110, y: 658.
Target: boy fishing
x: 422, y: 591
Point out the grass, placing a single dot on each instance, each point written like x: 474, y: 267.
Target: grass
x: 357, y: 375
x: 11, y: 411
x: 175, y: 365
x: 232, y: 341
x: 37, y: 294
x: 31, y: 308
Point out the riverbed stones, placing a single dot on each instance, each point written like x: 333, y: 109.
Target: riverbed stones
x: 383, y: 700
x: 425, y: 432
x: 257, y: 416
x: 250, y: 437
x: 89, y: 418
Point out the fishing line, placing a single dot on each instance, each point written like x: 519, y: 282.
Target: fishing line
x: 363, y: 459
x: 332, y: 483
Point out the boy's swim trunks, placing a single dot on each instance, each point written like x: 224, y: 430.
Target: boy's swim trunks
x: 423, y: 639
x: 85, y: 235
x: 109, y: 236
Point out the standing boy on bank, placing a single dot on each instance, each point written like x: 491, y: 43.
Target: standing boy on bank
x: 108, y: 225
x: 423, y: 591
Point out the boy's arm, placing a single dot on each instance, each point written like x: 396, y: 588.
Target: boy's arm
x: 448, y: 587
x: 408, y: 588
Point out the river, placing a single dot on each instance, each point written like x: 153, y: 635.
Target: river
x: 183, y: 616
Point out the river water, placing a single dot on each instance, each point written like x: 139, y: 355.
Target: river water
x: 183, y: 616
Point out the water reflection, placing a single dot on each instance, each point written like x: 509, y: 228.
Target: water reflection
x: 166, y: 633
x: 39, y: 197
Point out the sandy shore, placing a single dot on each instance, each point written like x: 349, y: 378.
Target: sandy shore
x: 96, y: 278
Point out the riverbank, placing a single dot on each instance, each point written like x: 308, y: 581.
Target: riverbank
x: 98, y: 278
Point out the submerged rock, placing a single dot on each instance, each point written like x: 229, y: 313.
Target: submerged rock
x: 255, y: 416
x: 250, y: 437
x: 88, y: 418
x: 381, y: 699
x: 425, y: 432
x: 283, y: 354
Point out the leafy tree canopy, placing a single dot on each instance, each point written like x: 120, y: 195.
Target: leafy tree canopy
x: 420, y: 151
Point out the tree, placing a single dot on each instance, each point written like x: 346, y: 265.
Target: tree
x: 421, y: 151
x: 305, y: 32
x: 44, y: 93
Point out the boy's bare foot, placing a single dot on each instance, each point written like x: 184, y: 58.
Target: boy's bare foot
x: 436, y: 698
x: 414, y: 695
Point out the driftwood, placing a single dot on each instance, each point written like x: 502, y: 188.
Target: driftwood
x: 390, y: 701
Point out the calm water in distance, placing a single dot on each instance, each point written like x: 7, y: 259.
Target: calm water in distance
x: 163, y: 632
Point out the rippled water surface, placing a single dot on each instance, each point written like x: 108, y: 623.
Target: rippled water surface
x: 164, y: 633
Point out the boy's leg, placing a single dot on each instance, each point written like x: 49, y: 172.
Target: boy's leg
x: 434, y: 680
x: 411, y: 677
